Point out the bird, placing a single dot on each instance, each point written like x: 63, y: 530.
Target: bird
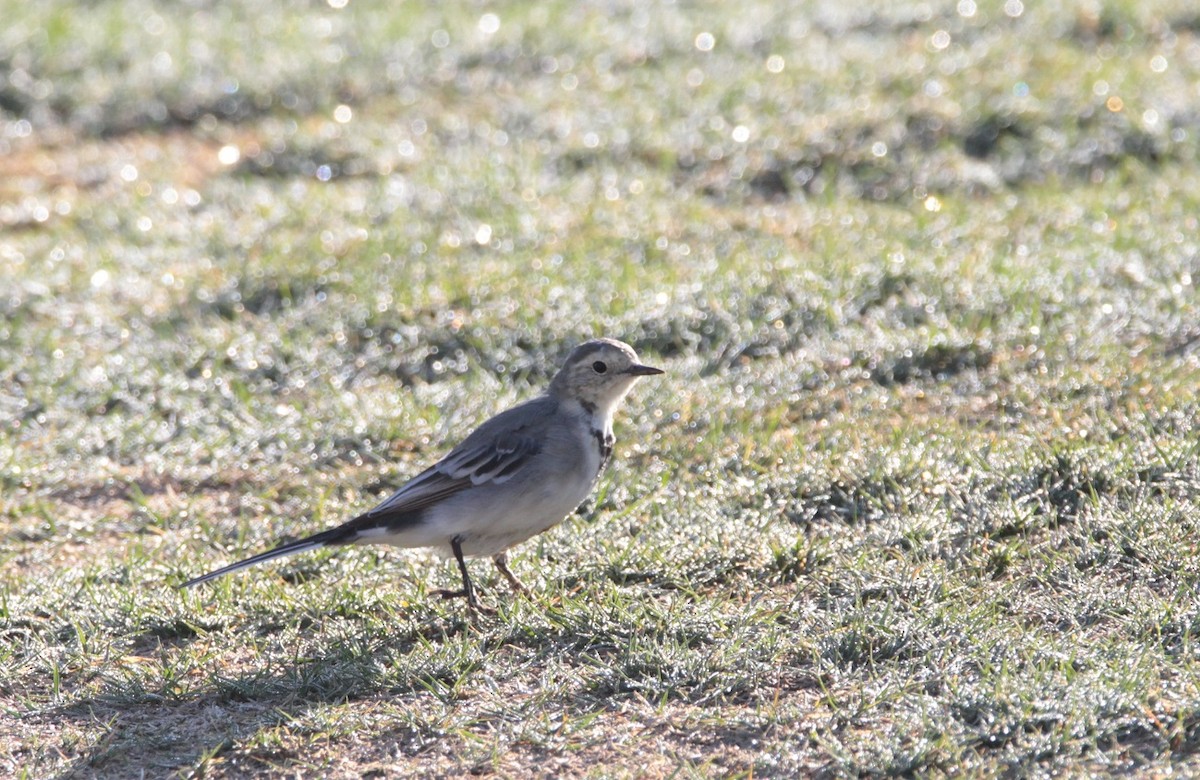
x: 517, y: 475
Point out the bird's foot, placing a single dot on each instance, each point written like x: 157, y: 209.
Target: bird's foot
x: 501, y: 562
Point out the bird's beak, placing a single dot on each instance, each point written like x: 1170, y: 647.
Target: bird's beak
x: 640, y: 370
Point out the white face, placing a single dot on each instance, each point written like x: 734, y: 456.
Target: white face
x: 600, y: 373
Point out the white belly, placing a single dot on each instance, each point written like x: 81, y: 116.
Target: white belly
x: 491, y: 518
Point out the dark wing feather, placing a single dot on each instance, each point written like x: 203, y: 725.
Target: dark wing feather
x: 494, y: 453
x: 496, y: 462
x: 493, y: 461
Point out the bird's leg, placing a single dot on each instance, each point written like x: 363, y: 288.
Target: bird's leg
x: 501, y: 561
x: 468, y: 590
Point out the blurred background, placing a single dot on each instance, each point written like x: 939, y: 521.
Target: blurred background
x: 268, y: 201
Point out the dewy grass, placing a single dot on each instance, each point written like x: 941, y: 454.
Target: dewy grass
x: 916, y: 496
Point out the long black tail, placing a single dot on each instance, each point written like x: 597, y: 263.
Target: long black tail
x: 332, y: 536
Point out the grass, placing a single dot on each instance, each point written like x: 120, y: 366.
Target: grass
x: 917, y: 495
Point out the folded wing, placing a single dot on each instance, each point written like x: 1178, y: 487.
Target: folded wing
x: 495, y: 460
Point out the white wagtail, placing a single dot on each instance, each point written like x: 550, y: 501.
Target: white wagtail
x: 519, y: 474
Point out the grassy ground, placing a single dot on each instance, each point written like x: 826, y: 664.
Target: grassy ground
x: 919, y: 494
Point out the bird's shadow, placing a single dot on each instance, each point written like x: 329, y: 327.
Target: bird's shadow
x: 177, y: 726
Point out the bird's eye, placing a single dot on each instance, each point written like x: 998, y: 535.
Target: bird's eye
x: 599, y: 367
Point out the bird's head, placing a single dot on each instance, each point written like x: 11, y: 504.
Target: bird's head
x: 599, y: 373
